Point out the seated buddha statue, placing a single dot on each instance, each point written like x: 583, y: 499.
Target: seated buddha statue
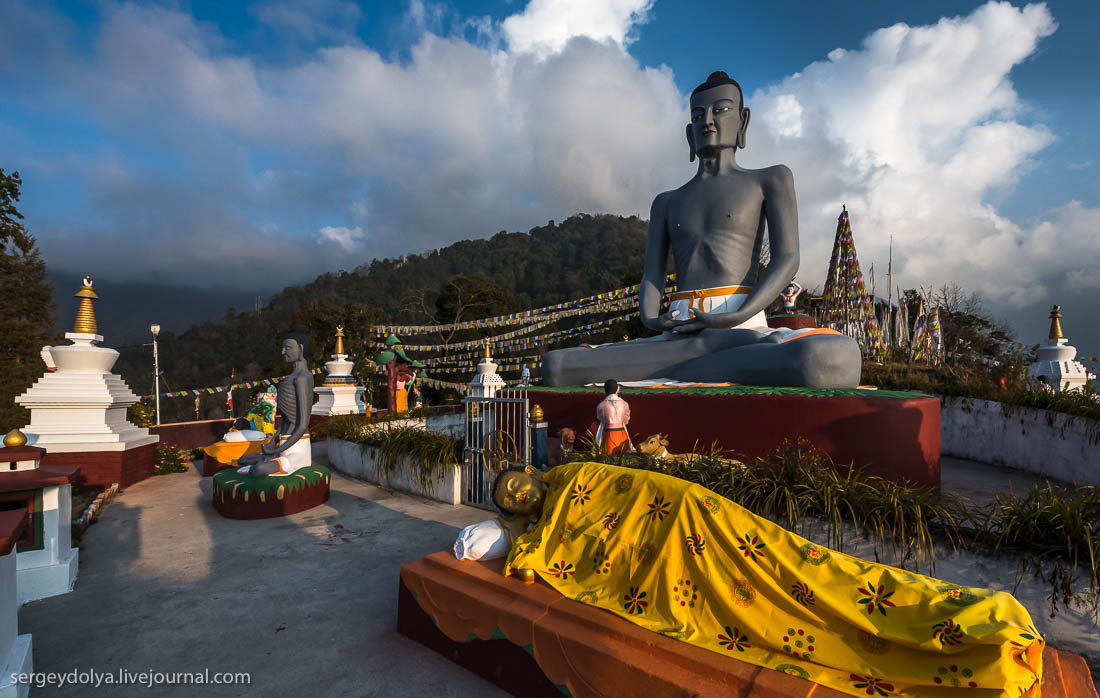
x: 715, y: 329
x: 288, y: 449
x: 680, y: 560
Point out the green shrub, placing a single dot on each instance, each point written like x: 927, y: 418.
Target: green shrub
x: 140, y: 415
x: 346, y: 426
x: 170, y: 459
x: 977, y: 383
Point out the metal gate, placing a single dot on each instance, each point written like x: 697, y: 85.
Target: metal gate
x: 498, y: 435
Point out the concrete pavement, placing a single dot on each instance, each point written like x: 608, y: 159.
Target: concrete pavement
x: 305, y: 604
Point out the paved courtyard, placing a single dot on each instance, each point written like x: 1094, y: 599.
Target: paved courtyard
x: 306, y: 604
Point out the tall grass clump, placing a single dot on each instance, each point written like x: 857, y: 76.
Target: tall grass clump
x: 1058, y: 525
x: 347, y: 426
x: 426, y: 453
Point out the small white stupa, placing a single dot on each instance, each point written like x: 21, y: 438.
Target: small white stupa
x: 1056, y: 366
x: 78, y: 411
x: 486, y: 383
x: 339, y: 394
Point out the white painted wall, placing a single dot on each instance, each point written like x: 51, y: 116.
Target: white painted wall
x: 8, y: 608
x: 15, y: 649
x: 51, y: 570
x: 351, y: 459
x: 453, y: 424
x: 1050, y: 444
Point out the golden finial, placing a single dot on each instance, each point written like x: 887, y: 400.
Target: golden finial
x: 339, y: 339
x: 536, y: 414
x: 15, y: 438
x: 85, y: 314
x: 1056, y: 323
x: 487, y: 356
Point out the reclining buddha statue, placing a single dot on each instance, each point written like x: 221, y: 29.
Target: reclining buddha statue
x: 715, y: 329
x: 680, y: 560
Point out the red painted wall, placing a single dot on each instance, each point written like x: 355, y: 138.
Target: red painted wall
x: 188, y: 435
x: 895, y: 438
x: 105, y: 468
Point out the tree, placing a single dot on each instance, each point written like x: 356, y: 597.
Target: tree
x: 26, y: 324
x: 968, y: 330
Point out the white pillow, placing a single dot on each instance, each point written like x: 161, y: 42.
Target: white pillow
x: 485, y: 540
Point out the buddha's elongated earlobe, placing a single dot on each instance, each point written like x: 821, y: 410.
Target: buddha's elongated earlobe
x: 744, y: 127
x: 691, y: 144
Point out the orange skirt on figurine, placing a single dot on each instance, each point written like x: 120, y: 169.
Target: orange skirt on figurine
x: 615, y: 440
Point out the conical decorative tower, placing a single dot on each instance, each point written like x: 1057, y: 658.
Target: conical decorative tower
x: 85, y: 314
x: 339, y: 394
x: 846, y: 307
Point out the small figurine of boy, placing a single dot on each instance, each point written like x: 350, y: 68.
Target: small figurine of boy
x: 613, y: 414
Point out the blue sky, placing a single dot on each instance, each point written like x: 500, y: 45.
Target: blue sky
x: 250, y: 145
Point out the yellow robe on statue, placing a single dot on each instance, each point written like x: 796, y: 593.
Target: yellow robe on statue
x: 680, y: 560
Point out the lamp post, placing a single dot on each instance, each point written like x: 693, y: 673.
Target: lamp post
x: 155, y: 329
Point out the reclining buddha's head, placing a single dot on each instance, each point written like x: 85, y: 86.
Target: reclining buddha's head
x: 520, y: 491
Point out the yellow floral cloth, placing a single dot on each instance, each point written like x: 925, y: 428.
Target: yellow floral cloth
x: 680, y: 560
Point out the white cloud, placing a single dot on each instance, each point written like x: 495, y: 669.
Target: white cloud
x: 917, y: 129
x: 350, y: 239
x: 545, y: 26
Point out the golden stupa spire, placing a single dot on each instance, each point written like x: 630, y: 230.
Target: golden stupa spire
x: 85, y: 314
x: 1056, y: 323
x: 487, y: 356
x: 339, y: 339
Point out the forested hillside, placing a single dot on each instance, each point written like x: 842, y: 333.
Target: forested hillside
x: 579, y: 256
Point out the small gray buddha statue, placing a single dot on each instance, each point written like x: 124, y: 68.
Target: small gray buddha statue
x: 288, y: 449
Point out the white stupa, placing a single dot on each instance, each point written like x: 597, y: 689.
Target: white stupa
x: 81, y: 406
x: 486, y: 383
x: 339, y: 394
x: 1056, y: 366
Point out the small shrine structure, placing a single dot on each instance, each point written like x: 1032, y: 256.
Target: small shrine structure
x: 78, y: 412
x: 339, y: 394
x: 1056, y: 366
x: 46, y: 561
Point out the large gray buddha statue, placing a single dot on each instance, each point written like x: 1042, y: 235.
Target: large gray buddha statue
x: 715, y: 329
x: 288, y: 448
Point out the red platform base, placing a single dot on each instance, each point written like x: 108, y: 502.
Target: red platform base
x: 532, y: 641
x: 892, y: 435
x: 792, y: 321
x: 106, y: 468
x: 242, y: 497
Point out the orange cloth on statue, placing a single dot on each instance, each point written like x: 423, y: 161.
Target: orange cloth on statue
x: 615, y: 441
x: 231, y: 451
x: 401, y: 399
